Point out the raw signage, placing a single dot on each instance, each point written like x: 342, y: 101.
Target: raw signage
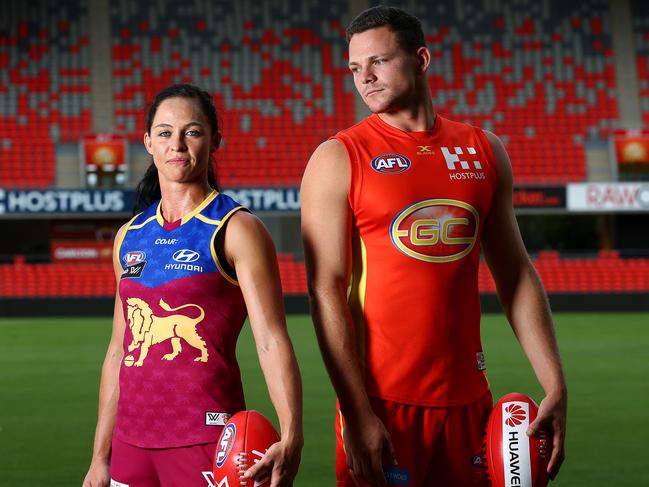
x: 597, y: 197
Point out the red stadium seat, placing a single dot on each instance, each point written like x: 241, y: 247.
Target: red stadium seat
x: 515, y: 68
x: 281, y: 91
x: 606, y: 273
x: 640, y: 14
x: 46, y: 57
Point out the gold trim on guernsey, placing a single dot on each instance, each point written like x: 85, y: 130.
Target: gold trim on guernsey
x: 356, y: 291
x: 215, y: 257
x: 201, y: 207
x: 208, y: 199
x: 120, y: 240
x: 140, y: 225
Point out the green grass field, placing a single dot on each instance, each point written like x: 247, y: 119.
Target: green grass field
x: 49, y: 375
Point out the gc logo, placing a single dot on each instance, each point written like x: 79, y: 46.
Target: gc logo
x: 436, y: 230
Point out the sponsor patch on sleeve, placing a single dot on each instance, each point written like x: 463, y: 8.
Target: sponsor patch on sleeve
x: 134, y: 270
x: 480, y: 361
x: 397, y: 476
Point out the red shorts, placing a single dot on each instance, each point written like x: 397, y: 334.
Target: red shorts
x: 189, y: 466
x: 434, y: 446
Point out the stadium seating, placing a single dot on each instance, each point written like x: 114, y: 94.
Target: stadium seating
x: 606, y: 273
x: 97, y: 279
x: 292, y: 273
x: 77, y: 279
x: 538, y: 74
x: 640, y: 15
x: 277, y: 70
x: 44, y: 86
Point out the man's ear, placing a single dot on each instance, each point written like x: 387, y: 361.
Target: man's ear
x: 423, y: 58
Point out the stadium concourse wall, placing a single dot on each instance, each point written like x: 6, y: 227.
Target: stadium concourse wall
x: 298, y: 304
x: 276, y: 205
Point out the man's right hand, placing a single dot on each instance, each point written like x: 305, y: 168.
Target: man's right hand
x: 368, y: 447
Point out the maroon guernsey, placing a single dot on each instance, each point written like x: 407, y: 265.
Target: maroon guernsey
x: 179, y: 379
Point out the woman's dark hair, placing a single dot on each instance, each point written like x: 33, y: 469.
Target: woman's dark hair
x: 406, y: 26
x: 147, y: 191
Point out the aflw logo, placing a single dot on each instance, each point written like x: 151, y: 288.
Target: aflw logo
x: 216, y: 419
x: 134, y: 257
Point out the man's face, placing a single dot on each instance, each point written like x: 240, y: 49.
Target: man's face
x: 384, y: 74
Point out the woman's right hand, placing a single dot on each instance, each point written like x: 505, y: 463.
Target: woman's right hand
x: 98, y: 475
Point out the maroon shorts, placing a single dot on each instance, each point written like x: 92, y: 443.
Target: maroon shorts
x: 188, y: 466
x: 434, y: 446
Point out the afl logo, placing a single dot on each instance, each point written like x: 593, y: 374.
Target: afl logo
x: 390, y: 163
x: 437, y: 230
x: 186, y: 256
x: 226, y: 441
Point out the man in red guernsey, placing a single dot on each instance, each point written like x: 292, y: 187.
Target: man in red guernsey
x: 394, y: 212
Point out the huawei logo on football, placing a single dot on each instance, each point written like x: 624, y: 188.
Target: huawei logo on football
x: 516, y: 415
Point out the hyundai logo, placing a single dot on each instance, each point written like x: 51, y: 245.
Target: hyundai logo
x: 186, y: 255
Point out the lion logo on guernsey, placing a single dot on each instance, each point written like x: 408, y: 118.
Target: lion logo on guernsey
x: 148, y: 329
x: 436, y: 230
x: 390, y: 163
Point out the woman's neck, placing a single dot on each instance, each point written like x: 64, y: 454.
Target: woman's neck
x: 179, y: 199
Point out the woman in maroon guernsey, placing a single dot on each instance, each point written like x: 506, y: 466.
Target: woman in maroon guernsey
x: 190, y: 266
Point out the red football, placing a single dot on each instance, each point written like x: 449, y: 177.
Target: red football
x: 512, y: 457
x: 243, y: 442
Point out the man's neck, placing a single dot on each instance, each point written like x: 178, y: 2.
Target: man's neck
x: 417, y: 117
x: 409, y: 122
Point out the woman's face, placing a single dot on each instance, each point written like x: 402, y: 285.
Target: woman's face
x: 180, y: 141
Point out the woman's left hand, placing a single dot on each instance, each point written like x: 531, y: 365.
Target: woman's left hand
x: 280, y: 463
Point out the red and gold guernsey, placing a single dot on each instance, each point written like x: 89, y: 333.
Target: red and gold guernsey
x: 179, y: 379
x: 419, y: 201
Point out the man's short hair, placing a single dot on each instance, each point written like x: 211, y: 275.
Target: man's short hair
x: 406, y: 26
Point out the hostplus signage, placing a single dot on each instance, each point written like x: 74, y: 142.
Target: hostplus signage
x: 64, y: 201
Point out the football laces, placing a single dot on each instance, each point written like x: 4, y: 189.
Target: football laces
x: 242, y: 465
